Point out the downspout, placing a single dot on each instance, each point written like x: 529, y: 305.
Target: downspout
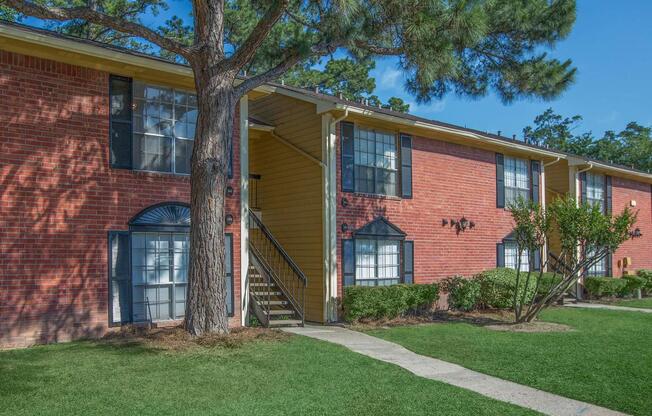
x: 331, y: 214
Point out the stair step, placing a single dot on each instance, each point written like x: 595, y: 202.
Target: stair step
x: 273, y: 302
x: 267, y: 293
x: 279, y: 312
x: 261, y: 284
x: 284, y: 322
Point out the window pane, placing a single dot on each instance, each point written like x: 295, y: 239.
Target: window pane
x: 365, y: 259
x: 375, y: 159
x: 152, y: 153
x: 182, y: 156
x: 517, y: 179
x: 120, y: 99
x: 511, y: 255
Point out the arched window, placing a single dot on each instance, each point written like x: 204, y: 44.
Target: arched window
x: 149, y: 266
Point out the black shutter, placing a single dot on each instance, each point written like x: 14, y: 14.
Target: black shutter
x: 500, y: 255
x: 229, y: 170
x: 408, y: 262
x: 346, y: 134
x: 228, y: 257
x: 120, y: 132
x: 348, y: 262
x: 608, y: 195
x: 119, y: 277
x: 500, y: 180
x: 406, y: 166
x: 536, y: 260
x: 608, y: 265
x: 583, y: 187
x: 535, y: 176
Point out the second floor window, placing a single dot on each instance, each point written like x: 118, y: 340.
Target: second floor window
x: 375, y: 161
x: 517, y: 179
x: 164, y: 122
x: 595, y: 190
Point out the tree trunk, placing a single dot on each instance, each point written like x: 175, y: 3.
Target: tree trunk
x: 206, y: 308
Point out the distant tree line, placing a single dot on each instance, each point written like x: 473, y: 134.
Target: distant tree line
x: 631, y: 147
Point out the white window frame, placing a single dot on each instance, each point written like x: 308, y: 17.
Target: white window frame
x: 364, y: 136
x: 377, y: 263
x: 174, y: 119
x: 511, y: 256
x: 517, y: 180
x: 596, y: 190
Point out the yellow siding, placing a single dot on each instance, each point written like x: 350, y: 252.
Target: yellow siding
x: 290, y: 189
x: 556, y: 186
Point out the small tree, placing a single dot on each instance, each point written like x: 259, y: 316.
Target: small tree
x: 586, y: 236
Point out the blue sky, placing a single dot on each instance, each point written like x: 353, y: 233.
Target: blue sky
x: 611, y: 45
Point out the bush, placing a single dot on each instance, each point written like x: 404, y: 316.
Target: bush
x: 548, y: 281
x: 364, y: 302
x: 632, y: 284
x: 497, y: 287
x: 604, y: 286
x: 647, y: 275
x: 463, y: 294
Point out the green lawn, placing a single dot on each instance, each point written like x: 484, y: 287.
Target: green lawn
x: 298, y: 376
x: 636, y: 303
x: 606, y: 361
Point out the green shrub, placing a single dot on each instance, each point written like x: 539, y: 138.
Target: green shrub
x: 548, y: 281
x: 497, y: 287
x: 647, y: 275
x: 463, y: 294
x: 364, y: 302
x: 632, y: 284
x: 604, y: 286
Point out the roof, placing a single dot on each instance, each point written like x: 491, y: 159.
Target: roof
x: 328, y: 102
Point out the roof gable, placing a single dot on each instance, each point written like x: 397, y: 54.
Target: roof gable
x: 380, y: 227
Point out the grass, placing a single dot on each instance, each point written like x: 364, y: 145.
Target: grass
x: 636, y: 303
x: 295, y: 376
x: 607, y: 360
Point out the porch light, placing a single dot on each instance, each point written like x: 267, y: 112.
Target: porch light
x: 228, y: 219
x: 229, y: 191
x: 345, y: 227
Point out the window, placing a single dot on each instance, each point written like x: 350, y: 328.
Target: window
x: 375, y: 161
x: 517, y: 180
x: 159, y: 275
x: 595, y: 190
x: 164, y: 122
x: 599, y: 269
x: 511, y: 257
x: 377, y: 262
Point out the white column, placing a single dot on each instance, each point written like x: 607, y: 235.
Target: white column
x: 244, y: 206
x: 329, y: 181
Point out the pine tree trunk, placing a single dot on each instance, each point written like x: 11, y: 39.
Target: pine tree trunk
x: 206, y: 309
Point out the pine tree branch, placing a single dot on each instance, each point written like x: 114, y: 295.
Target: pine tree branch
x: 92, y: 15
x: 248, y: 49
x: 378, y: 50
x: 292, y: 57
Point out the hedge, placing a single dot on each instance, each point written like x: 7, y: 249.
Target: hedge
x: 463, y: 294
x: 647, y: 275
x: 497, y: 287
x: 378, y: 302
x: 632, y: 285
x: 605, y: 286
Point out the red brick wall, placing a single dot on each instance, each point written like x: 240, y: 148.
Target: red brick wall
x: 639, y: 249
x: 449, y: 181
x: 59, y: 198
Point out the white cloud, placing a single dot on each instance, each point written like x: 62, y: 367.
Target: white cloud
x: 427, y: 110
x: 390, y: 78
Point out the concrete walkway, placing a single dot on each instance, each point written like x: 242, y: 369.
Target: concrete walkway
x: 431, y: 368
x: 610, y: 307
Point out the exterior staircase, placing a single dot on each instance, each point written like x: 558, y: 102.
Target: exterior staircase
x: 276, y: 284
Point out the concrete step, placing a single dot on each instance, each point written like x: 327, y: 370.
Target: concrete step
x: 284, y: 322
x: 261, y: 294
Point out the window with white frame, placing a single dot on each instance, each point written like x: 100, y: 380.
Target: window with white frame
x: 164, y: 122
x: 599, y: 269
x: 595, y: 190
x: 517, y: 179
x: 375, y: 161
x: 159, y: 275
x: 511, y: 257
x: 377, y: 262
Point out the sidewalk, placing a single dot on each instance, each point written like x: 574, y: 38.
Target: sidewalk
x: 610, y: 307
x: 431, y: 368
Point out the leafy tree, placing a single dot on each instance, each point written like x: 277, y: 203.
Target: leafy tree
x: 631, y: 147
x: 576, y: 225
x: 467, y: 47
